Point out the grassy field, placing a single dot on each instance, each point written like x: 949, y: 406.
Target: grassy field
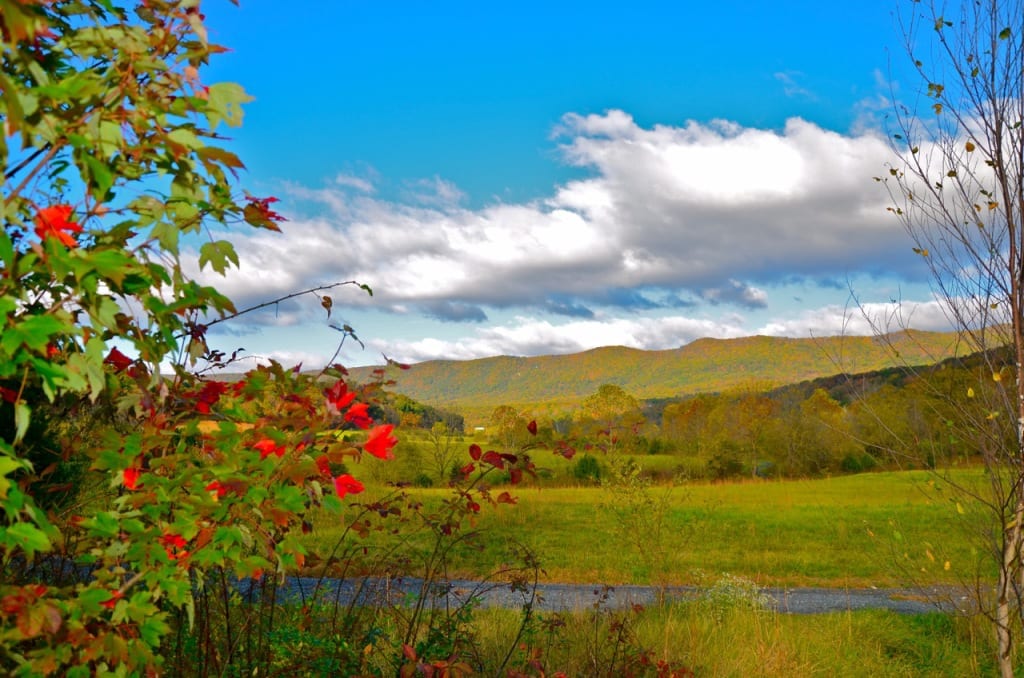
x: 745, y: 642
x: 880, y: 529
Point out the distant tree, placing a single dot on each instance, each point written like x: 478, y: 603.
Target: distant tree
x: 684, y: 422
x: 443, y: 439
x: 507, y: 428
x: 612, y: 417
x: 742, y: 422
x: 818, y: 435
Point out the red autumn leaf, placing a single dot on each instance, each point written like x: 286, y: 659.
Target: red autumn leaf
x: 380, y: 442
x: 8, y: 395
x: 53, y: 222
x: 345, y: 484
x: 208, y: 395
x: 506, y: 498
x: 564, y: 449
x: 112, y: 601
x: 215, y: 486
x: 323, y: 463
x: 338, y: 396
x: 267, y: 447
x: 515, y: 475
x: 472, y: 506
x: 359, y: 414
x: 532, y: 427
x: 130, y: 477
x: 119, y: 360
x: 467, y: 469
x: 409, y: 653
x: 475, y: 451
x: 258, y: 213
x: 174, y: 545
x: 494, y: 459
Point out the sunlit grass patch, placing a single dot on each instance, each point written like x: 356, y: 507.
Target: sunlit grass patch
x: 872, y: 529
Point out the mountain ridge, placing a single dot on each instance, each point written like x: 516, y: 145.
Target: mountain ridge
x: 703, y: 365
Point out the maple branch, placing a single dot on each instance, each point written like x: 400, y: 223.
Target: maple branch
x: 312, y: 290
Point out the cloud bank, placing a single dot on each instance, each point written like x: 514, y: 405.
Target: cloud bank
x: 667, y: 218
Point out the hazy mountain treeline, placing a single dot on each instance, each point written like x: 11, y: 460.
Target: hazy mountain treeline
x: 474, y: 387
x: 895, y: 417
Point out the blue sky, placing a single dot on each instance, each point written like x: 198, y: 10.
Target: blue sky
x: 541, y: 178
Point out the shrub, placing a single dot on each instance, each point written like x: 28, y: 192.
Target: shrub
x: 587, y: 469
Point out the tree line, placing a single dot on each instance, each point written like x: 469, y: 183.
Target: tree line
x: 890, y: 419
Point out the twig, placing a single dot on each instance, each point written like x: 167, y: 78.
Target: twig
x: 312, y: 290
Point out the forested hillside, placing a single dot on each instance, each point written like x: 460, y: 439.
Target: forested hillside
x: 705, y: 365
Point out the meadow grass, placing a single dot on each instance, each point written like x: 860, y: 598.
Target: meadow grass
x: 886, y: 529
x: 878, y: 529
x: 753, y: 642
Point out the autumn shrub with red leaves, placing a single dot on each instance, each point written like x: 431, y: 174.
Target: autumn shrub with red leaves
x: 113, y: 161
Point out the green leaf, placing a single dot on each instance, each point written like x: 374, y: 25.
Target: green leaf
x: 223, y: 103
x: 152, y: 629
x: 33, y: 332
x: 101, y: 176
x: 27, y: 537
x: 217, y: 254
x: 7, y: 466
x: 6, y: 250
x: 110, y: 264
x: 1005, y: 33
x: 103, y: 525
x: 22, y: 418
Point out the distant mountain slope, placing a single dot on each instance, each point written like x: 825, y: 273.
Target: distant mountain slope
x: 705, y: 365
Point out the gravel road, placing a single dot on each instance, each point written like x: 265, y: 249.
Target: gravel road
x: 567, y: 597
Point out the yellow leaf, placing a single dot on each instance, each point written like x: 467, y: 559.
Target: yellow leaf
x: 959, y: 508
x: 992, y: 205
x: 945, y: 566
x: 928, y: 553
x: 997, y: 377
x: 970, y: 392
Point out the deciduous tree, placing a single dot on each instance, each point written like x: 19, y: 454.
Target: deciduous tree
x: 958, y: 189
